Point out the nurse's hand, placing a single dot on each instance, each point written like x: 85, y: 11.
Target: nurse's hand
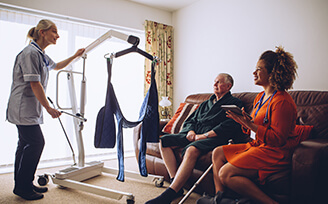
x: 79, y: 52
x: 244, y: 120
x: 53, y: 112
x: 241, y: 119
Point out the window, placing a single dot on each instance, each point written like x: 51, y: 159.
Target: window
x: 127, y: 79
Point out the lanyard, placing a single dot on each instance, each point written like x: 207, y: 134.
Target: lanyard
x: 43, y: 55
x: 260, y: 104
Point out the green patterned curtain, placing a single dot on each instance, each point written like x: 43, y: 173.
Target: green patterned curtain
x: 159, y: 42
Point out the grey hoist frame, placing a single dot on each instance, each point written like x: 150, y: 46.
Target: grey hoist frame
x: 73, y: 176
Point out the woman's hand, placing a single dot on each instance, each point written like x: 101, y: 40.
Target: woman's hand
x: 244, y: 119
x: 191, y: 136
x: 53, y: 112
x: 79, y: 52
x: 64, y: 63
x: 238, y: 118
x: 241, y: 119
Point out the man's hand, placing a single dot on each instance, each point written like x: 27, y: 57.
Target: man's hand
x: 191, y: 136
x: 200, y: 137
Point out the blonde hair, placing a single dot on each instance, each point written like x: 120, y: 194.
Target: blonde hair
x: 44, y: 24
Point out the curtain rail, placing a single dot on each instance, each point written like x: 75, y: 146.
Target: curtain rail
x: 10, y: 7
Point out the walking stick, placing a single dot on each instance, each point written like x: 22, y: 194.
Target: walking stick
x: 196, y: 184
x: 200, y: 179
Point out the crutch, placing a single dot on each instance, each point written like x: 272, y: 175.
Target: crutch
x: 199, y: 180
x: 196, y: 184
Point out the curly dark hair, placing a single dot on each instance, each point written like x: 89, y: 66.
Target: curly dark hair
x: 281, y: 67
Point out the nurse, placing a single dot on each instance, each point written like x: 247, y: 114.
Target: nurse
x: 27, y: 97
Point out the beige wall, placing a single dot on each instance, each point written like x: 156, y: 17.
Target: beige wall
x: 213, y: 36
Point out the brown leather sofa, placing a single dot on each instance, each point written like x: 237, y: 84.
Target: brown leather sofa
x: 307, y: 179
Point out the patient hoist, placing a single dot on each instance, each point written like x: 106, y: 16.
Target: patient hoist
x: 73, y: 176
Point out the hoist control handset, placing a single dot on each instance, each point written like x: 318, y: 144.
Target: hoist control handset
x: 235, y: 109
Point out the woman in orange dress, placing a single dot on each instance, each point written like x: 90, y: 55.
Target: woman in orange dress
x: 273, y: 120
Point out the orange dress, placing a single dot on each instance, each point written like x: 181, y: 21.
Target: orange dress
x: 275, y: 140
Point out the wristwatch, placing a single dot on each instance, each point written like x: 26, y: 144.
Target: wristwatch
x: 206, y: 135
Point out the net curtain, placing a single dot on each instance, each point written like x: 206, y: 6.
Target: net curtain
x: 159, y: 42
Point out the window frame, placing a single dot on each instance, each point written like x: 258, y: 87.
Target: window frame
x: 75, y: 27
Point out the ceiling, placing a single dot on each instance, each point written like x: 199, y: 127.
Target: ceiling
x: 167, y: 5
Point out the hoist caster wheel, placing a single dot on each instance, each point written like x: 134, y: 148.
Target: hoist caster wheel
x: 43, y: 180
x: 61, y: 187
x: 159, y: 183
x: 130, y: 201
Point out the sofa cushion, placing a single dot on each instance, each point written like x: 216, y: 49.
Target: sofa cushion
x: 303, y: 131
x: 312, y: 109
x: 175, y: 124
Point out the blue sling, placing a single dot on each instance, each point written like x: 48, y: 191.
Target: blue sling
x: 148, y: 115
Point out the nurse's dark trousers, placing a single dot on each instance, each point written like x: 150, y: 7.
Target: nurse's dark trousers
x: 28, y: 153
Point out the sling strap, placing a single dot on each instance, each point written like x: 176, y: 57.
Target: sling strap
x: 148, y: 115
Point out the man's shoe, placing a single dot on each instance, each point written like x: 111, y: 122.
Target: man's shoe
x: 28, y: 195
x: 40, y: 189
x: 206, y: 200
x: 211, y: 200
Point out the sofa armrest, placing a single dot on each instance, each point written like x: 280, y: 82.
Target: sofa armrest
x: 161, y: 126
x: 309, y: 171
x: 136, y: 135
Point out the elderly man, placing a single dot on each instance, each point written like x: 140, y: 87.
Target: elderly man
x: 205, y: 129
